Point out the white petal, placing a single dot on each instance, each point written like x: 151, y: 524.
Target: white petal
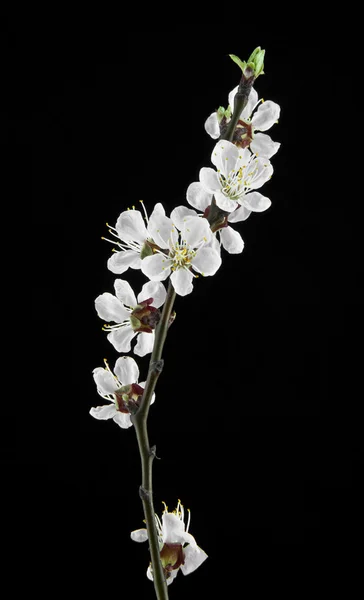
x: 198, y: 197
x: 256, y: 202
x: 194, y: 557
x: 179, y: 213
x: 119, y: 262
x: 155, y: 290
x: 212, y: 126
x: 109, y: 308
x: 206, y: 261
x: 171, y: 577
x: 173, y: 529
x: 224, y: 202
x: 263, y: 145
x: 126, y: 370
x: 266, y: 115
x: 103, y: 412
x: 161, y: 229
x: 209, y: 180
x: 131, y: 227
x: 195, y: 230
x: 121, y: 338
x: 232, y: 95
x: 182, y: 281
x: 105, y: 382
x: 139, y: 535
x: 263, y: 172
x: 244, y: 158
x: 239, y: 214
x: 145, y: 343
x: 125, y: 293
x: 156, y: 267
x: 224, y: 157
x: 158, y: 210
x: 231, y: 240
x: 123, y: 420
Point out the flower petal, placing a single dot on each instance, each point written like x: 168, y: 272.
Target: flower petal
x: 262, y: 171
x: 195, y: 230
x: 123, y: 420
x: 180, y: 213
x: 109, y: 308
x: 156, y: 267
x: 224, y: 202
x: 194, y: 557
x: 155, y: 290
x: 103, y: 412
x: 173, y: 529
x: 105, y: 381
x: 266, y: 115
x: 145, y: 343
x: 256, y: 202
x: 119, y: 262
x: 139, y: 535
x: 231, y: 240
x: 212, y: 126
x: 182, y: 281
x: 125, y: 293
x: 239, y: 214
x: 224, y: 157
x: 206, y: 261
x: 126, y: 370
x: 209, y: 180
x: 198, y: 197
x: 131, y: 227
x: 121, y: 338
x: 161, y: 229
x: 263, y: 145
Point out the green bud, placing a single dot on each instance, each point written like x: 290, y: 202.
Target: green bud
x: 255, y: 62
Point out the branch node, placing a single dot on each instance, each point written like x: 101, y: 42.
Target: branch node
x: 144, y: 494
x: 157, y: 366
x: 153, y: 451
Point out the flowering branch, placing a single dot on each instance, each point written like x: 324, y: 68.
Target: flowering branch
x: 147, y: 454
x: 180, y: 248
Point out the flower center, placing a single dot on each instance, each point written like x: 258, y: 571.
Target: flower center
x: 181, y: 255
x: 238, y: 180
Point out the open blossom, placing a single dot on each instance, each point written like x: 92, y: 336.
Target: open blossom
x: 121, y: 389
x: 230, y: 239
x: 182, y: 253
x: 256, y: 116
x: 178, y: 548
x: 134, y: 238
x: 238, y: 173
x: 132, y: 317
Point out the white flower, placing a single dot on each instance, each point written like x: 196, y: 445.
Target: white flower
x: 230, y: 239
x: 184, y: 251
x: 132, y: 235
x: 173, y: 536
x: 126, y: 375
x: 122, y: 309
x: 250, y: 122
x: 238, y: 172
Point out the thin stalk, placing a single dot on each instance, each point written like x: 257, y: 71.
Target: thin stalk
x: 147, y: 453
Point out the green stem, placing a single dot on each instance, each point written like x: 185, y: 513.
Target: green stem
x: 147, y: 453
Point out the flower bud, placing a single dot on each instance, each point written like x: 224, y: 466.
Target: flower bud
x: 145, y: 317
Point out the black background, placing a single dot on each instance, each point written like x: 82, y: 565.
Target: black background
x: 256, y: 418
